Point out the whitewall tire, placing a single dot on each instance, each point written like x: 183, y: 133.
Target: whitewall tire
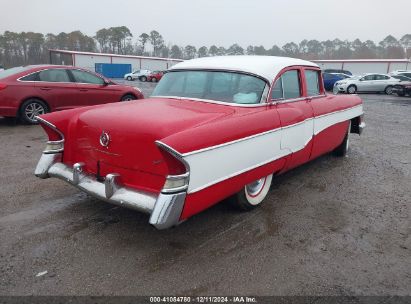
x: 253, y: 194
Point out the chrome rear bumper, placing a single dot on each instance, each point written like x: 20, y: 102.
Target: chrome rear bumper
x: 165, y: 208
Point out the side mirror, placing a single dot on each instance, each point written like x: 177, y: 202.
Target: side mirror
x: 361, y: 79
x: 106, y: 82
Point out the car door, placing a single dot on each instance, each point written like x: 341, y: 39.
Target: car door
x: 296, y: 114
x: 326, y: 134
x: 92, y: 89
x: 56, y: 88
x: 380, y: 83
x: 366, y: 84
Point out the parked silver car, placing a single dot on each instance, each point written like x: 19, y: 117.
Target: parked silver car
x: 137, y: 74
x: 366, y: 83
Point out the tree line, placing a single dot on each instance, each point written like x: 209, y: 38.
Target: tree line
x: 32, y: 48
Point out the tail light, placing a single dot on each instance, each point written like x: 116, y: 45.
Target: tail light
x: 179, y: 173
x: 3, y: 86
x: 56, y: 138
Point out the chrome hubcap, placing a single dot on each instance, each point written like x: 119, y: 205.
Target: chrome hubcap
x: 33, y: 110
x: 255, y: 187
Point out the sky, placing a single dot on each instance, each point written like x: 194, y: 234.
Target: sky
x: 220, y: 22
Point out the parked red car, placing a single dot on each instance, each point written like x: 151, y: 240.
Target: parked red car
x: 155, y: 76
x: 214, y: 127
x: 28, y: 91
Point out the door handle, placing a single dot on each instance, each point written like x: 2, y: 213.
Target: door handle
x: 45, y: 88
x: 83, y: 90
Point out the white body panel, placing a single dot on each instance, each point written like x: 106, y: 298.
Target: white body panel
x: 214, y: 164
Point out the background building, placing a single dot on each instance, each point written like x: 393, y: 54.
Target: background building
x: 111, y: 65
x: 361, y: 66
x: 115, y: 66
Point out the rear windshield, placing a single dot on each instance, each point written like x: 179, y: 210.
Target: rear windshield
x: 227, y: 87
x: 12, y: 71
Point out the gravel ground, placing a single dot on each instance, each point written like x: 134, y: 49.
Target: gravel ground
x: 331, y: 227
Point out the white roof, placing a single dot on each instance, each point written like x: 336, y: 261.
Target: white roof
x: 264, y: 66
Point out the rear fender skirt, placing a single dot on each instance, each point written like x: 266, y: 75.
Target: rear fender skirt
x: 215, y: 164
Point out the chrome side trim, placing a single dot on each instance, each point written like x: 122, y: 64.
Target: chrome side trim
x: 317, y: 96
x: 243, y: 105
x: 339, y: 111
x: 181, y: 155
x: 292, y: 100
x: 175, y: 153
x: 49, y: 124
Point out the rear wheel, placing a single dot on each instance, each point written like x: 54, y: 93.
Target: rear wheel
x: 388, y: 90
x: 31, y: 108
x: 128, y: 97
x: 143, y: 78
x: 254, y: 193
x: 342, y: 149
x: 129, y: 78
x: 352, y: 89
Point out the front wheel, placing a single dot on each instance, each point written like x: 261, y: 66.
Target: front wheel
x: 388, y: 90
x: 128, y: 97
x: 254, y: 193
x: 32, y: 108
x: 129, y: 78
x: 352, y: 89
x: 153, y: 79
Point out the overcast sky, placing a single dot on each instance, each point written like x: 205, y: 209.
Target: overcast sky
x: 220, y: 22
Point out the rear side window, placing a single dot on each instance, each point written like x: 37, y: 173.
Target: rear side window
x: 313, y: 82
x: 30, y: 77
x: 277, y: 92
x: 12, y: 71
x: 369, y: 77
x: 291, y: 84
x: 381, y: 77
x: 54, y: 75
x: 84, y: 77
x: 287, y: 86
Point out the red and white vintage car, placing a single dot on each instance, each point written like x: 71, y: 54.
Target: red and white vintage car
x: 214, y: 128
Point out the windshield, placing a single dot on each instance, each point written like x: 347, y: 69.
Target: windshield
x: 9, y: 72
x: 227, y: 87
